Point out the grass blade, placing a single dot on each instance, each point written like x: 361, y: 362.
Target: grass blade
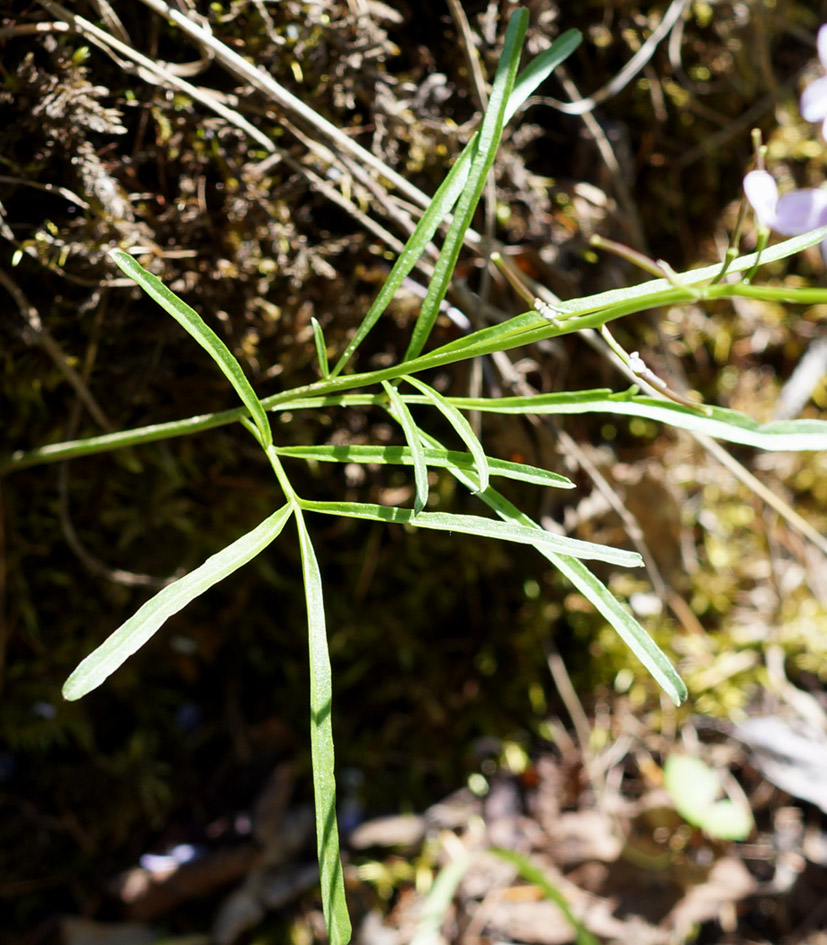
x: 438, y: 901
x: 192, y: 322
x: 477, y: 525
x: 482, y: 160
x: 461, y: 426
x: 400, y: 412
x: 141, y: 626
x: 402, y: 455
x: 533, y: 874
x: 334, y: 902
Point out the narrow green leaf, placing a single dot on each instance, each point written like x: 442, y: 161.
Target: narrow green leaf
x: 461, y: 426
x: 481, y: 162
x: 444, y: 199
x: 400, y: 411
x: 321, y: 349
x: 450, y: 189
x: 624, y: 624
x: 721, y: 422
x: 334, y: 902
x: 629, y: 630
x: 540, y: 68
x: 396, y: 455
x: 192, y: 322
x: 140, y: 627
x: 109, y: 442
x: 533, y: 874
x: 476, y: 525
x: 438, y: 901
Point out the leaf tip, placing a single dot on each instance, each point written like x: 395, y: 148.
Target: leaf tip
x: 73, y: 689
x: 678, y: 692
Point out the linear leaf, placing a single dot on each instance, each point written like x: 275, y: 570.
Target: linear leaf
x: 109, y: 442
x: 444, y: 199
x: 540, y: 68
x: 192, y: 322
x: 489, y: 140
x: 629, y: 630
x: 477, y: 525
x: 149, y: 618
x: 334, y: 902
x: 721, y: 422
x: 438, y: 901
x: 321, y: 349
x: 626, y: 626
x: 401, y: 455
x: 411, y: 431
x: 451, y: 187
x: 533, y: 874
x: 461, y: 426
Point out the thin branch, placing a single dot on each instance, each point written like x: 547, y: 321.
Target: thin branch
x: 629, y: 71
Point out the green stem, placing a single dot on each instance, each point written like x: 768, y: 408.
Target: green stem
x: 524, y: 329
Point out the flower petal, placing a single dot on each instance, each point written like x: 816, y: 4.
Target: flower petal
x: 821, y: 42
x: 814, y: 100
x: 800, y: 211
x: 762, y: 193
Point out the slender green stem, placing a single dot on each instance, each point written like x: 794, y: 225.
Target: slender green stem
x: 530, y: 327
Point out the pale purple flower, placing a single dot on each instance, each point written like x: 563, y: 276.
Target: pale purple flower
x: 814, y: 98
x: 796, y: 212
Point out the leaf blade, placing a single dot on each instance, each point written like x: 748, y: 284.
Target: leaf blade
x: 533, y: 874
x: 400, y: 412
x: 449, y: 190
x: 334, y: 902
x: 606, y: 604
x: 401, y: 455
x: 482, y: 160
x: 720, y: 423
x: 321, y: 348
x: 193, y: 324
x: 477, y: 525
x: 149, y: 618
x: 461, y: 426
